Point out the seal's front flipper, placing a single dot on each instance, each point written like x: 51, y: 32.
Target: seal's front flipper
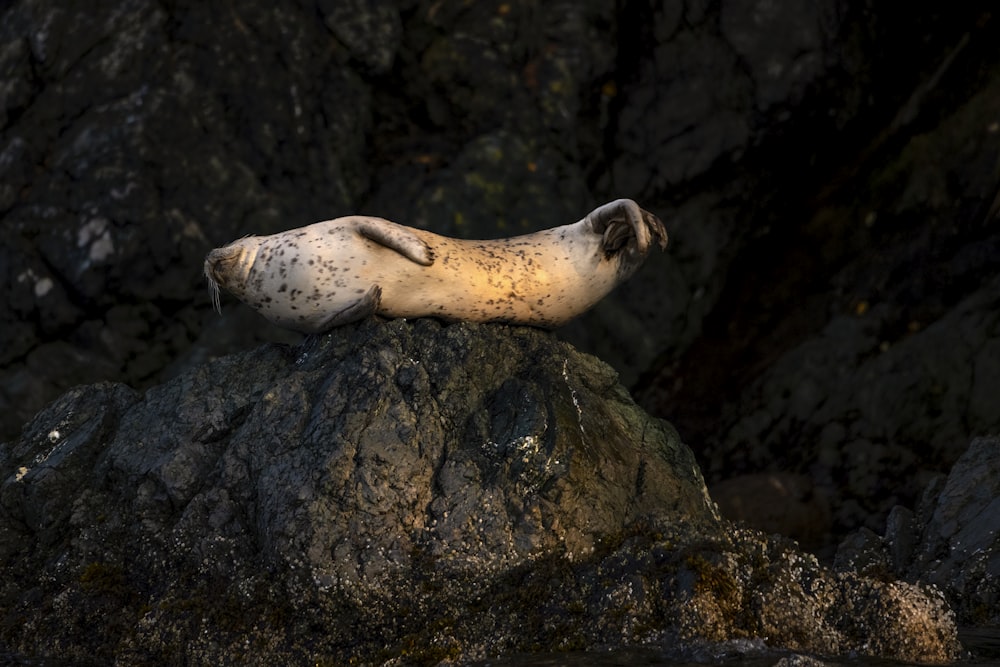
x: 622, y: 219
x: 396, y: 237
x: 367, y: 304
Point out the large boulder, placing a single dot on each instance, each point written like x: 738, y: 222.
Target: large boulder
x: 399, y: 491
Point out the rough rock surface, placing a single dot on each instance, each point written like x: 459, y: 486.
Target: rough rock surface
x: 399, y: 491
x: 833, y: 407
x: 856, y: 340
x: 952, y: 540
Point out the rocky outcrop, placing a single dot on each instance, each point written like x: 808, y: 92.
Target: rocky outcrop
x: 399, y: 491
x: 952, y: 540
x: 858, y: 346
x: 869, y: 419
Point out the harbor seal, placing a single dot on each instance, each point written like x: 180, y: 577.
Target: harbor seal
x: 330, y: 273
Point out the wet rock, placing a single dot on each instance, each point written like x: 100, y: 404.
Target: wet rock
x: 396, y: 490
x: 349, y: 466
x: 137, y: 135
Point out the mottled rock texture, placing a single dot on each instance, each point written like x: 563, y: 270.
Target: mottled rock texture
x: 399, y: 491
x: 952, y: 540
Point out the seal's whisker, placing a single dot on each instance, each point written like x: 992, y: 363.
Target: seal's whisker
x: 213, y: 292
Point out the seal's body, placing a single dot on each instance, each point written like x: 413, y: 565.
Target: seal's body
x: 330, y: 273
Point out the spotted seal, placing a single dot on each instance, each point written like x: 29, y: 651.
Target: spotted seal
x: 317, y: 277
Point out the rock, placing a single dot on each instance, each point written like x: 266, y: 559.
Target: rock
x: 399, y: 491
x: 953, y: 540
x: 697, y: 89
x: 854, y: 339
x: 371, y: 31
x: 781, y: 69
x: 127, y: 153
x: 869, y: 421
x: 830, y: 201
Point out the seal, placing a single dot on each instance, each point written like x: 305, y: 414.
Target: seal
x: 317, y: 277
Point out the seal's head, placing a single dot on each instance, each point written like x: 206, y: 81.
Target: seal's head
x: 229, y: 267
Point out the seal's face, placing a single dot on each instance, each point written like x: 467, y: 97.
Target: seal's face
x: 229, y: 267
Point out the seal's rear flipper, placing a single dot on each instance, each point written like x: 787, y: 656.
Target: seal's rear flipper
x: 396, y: 237
x: 621, y: 219
x: 366, y: 305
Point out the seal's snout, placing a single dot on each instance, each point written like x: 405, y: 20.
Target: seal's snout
x: 213, y: 291
x: 226, y: 267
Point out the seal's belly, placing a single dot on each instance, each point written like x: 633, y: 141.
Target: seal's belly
x: 495, y: 281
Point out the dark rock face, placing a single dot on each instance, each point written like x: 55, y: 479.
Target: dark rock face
x: 869, y: 417
x: 128, y: 150
x: 855, y: 341
x: 952, y: 540
x: 398, y: 490
x: 346, y: 466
